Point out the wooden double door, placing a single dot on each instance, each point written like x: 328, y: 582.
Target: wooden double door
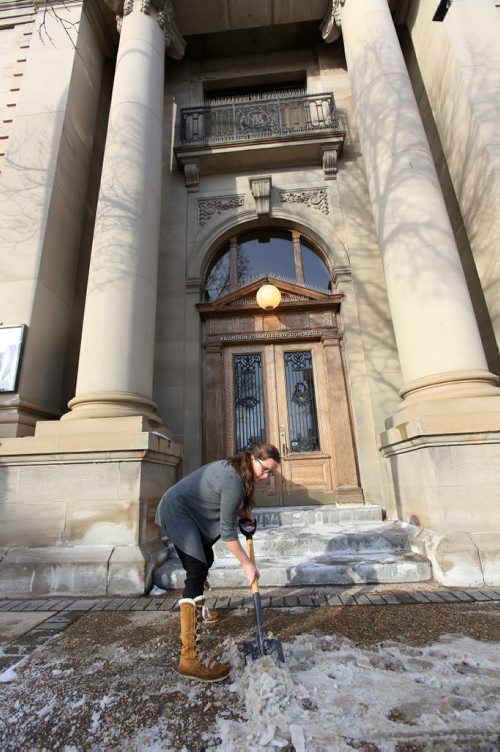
x: 279, y: 377
x: 279, y: 393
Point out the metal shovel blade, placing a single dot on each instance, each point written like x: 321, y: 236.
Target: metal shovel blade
x: 262, y: 645
x: 273, y: 648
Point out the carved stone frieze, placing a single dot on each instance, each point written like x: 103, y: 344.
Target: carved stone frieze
x: 208, y: 208
x: 314, y: 198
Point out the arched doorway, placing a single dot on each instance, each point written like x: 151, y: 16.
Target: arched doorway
x: 279, y: 375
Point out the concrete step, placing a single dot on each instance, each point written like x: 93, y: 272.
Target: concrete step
x: 317, y: 546
x: 312, y: 540
x: 327, y: 513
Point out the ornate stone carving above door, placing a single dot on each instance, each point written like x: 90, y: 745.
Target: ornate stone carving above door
x: 208, y: 208
x: 315, y: 198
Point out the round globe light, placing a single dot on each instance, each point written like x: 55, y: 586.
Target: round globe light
x: 268, y: 297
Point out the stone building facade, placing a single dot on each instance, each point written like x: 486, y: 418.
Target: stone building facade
x: 161, y: 161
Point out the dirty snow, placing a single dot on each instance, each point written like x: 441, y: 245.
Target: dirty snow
x: 333, y: 695
x: 109, y: 683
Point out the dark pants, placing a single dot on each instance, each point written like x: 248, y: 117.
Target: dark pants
x: 196, y: 571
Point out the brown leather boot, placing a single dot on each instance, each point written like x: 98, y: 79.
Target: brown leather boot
x: 192, y: 663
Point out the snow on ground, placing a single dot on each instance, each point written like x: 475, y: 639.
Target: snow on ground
x: 109, y: 684
x: 333, y: 695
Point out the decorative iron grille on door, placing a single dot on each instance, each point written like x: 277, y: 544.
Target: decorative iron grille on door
x: 301, y: 402
x: 248, y: 400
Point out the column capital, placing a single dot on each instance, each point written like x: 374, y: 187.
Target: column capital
x: 175, y: 44
x: 331, y: 24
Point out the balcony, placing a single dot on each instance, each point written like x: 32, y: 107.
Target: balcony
x: 259, y: 132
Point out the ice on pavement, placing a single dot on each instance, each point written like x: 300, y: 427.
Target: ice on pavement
x: 333, y: 694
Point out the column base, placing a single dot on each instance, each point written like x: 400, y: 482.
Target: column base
x: 78, y: 509
x: 461, y: 559
x: 444, y: 457
x: 113, y: 405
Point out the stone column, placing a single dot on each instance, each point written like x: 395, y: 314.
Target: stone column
x: 115, y: 375
x: 437, y: 336
x: 442, y: 442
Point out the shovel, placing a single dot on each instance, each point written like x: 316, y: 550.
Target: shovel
x: 262, y: 645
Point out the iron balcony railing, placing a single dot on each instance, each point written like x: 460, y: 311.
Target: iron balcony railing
x: 272, y: 116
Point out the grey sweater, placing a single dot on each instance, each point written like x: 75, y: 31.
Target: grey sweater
x: 202, y: 507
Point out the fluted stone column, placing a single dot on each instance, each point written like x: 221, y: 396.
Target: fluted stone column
x: 437, y: 336
x: 115, y: 375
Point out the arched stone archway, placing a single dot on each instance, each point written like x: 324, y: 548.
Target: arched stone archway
x: 319, y: 232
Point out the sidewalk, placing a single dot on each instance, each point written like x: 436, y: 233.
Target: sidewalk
x: 368, y: 667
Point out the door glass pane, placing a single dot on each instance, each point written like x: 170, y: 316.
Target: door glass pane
x: 249, y: 400
x: 301, y: 402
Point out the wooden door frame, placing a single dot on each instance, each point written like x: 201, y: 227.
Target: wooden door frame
x: 304, y: 316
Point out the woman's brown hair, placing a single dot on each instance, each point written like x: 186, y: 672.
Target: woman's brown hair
x: 242, y: 462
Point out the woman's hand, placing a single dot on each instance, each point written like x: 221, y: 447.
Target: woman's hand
x: 251, y: 573
x: 249, y: 518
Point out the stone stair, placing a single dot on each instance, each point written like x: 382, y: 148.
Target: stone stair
x: 321, y: 545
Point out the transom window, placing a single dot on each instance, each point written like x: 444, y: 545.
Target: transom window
x: 284, y: 254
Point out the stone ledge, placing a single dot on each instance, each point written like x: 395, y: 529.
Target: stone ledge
x: 79, y: 570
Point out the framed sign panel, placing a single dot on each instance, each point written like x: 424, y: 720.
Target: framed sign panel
x: 11, y: 350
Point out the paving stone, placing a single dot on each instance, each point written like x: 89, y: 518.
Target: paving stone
x: 319, y: 599
x: 101, y: 604
x: 127, y: 604
x: 169, y: 604
x: 236, y: 602
x: 419, y: 597
x: 333, y: 600
x: 433, y: 597
x: 405, y: 598
x: 82, y: 605
x: 141, y: 604
x: 55, y: 605
x: 113, y: 604
x: 155, y: 605
x: 391, y: 599
x: 449, y: 597
x: 489, y: 594
x: 478, y: 595
x: 362, y: 600
x: 291, y: 600
x: 5, y: 605
x: 306, y: 600
x: 347, y: 600
x: 375, y: 600
x: 463, y: 596
x: 11, y: 605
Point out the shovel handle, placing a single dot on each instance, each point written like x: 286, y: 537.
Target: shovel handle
x: 248, y: 529
x: 251, y: 556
